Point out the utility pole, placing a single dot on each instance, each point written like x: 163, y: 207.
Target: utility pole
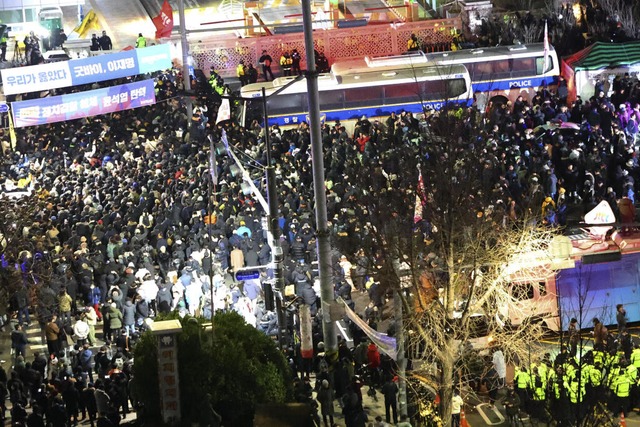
x: 322, y: 229
x: 277, y: 255
x: 186, y: 78
x: 401, y: 360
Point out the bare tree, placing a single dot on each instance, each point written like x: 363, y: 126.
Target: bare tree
x: 627, y: 14
x: 531, y: 33
x: 460, y: 255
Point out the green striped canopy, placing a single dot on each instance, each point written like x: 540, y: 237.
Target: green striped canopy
x: 605, y: 55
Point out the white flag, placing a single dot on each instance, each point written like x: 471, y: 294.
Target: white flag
x: 224, y: 112
x: 546, y: 64
x: 213, y: 165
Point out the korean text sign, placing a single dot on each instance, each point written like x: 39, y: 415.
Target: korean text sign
x: 86, y: 70
x: 83, y: 104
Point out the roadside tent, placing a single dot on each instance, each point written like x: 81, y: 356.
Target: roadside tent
x: 605, y: 60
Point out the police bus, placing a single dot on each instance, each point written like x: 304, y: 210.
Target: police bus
x: 372, y: 87
x: 500, y: 74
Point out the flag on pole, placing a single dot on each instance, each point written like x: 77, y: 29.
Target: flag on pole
x: 164, y: 21
x: 417, y: 212
x: 545, y: 65
x: 89, y: 22
x: 225, y: 140
x: 12, y: 131
x: 224, y: 112
x: 213, y: 165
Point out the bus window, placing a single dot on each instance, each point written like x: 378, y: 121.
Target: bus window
x: 290, y: 103
x: 490, y: 70
x: 331, y: 99
x: 522, y: 291
x: 500, y: 69
x: 456, y: 87
x: 540, y: 64
x: 394, y: 94
x: 480, y: 71
x: 362, y: 97
x: 522, y: 67
x: 542, y: 288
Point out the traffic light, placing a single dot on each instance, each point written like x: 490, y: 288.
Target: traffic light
x: 269, y: 301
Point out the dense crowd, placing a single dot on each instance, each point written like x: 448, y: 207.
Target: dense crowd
x: 126, y: 215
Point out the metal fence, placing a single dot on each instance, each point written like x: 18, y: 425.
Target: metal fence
x: 225, y: 52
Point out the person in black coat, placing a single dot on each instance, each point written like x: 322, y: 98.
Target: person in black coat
x: 71, y: 398
x: 19, y: 341
x: 35, y: 418
x: 89, y: 400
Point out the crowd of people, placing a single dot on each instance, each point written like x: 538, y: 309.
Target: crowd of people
x: 567, y: 390
x: 125, y: 221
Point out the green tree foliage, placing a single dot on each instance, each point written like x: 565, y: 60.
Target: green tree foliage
x: 235, y: 365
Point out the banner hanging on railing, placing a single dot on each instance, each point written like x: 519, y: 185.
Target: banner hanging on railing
x: 83, y: 104
x: 75, y: 72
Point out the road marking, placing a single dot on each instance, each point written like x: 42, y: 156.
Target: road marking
x: 493, y: 410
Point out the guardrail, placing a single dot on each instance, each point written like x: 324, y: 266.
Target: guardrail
x: 225, y: 53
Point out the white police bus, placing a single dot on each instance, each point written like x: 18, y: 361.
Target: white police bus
x: 371, y: 87
x: 503, y: 73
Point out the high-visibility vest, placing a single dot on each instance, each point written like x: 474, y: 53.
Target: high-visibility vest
x: 635, y: 357
x: 538, y: 390
x: 522, y: 379
x: 141, y: 42
x: 240, y: 70
x: 622, y: 386
x: 574, y: 394
x: 285, y: 62
x: 632, y: 373
x: 595, y: 376
x: 598, y: 357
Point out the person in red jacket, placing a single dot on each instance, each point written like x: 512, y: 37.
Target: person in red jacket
x: 373, y: 356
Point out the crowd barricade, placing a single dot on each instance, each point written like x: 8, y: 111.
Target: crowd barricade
x: 225, y: 52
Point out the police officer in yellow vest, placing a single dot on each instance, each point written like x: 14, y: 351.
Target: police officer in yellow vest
x: 141, y: 41
x: 635, y: 356
x: 521, y: 381
x: 621, y: 389
x: 286, y: 62
x: 538, y: 393
x: 594, y: 385
x: 559, y: 398
x: 3, y: 47
x: 413, y: 44
x: 241, y: 73
x: 632, y: 372
x: 576, y: 391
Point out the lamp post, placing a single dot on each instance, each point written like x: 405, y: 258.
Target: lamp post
x: 186, y: 78
x: 272, y: 201
x: 317, y: 158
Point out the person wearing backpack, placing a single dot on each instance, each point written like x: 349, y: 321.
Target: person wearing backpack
x: 87, y: 362
x: 102, y: 362
x: 538, y: 392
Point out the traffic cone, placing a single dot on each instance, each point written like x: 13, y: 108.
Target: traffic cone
x: 463, y: 419
x: 623, y: 422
